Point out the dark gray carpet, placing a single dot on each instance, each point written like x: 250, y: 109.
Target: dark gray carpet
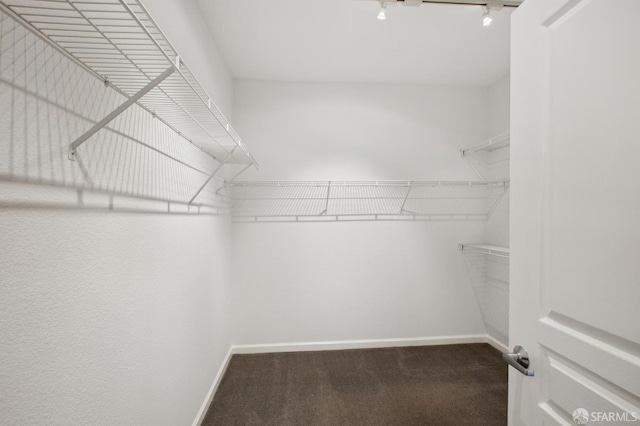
x: 432, y: 385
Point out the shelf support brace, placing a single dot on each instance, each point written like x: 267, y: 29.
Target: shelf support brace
x: 222, y: 163
x: 227, y: 182
x: 326, y: 201
x: 116, y: 112
x: 402, y: 210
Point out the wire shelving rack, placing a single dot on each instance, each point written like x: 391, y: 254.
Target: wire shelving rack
x: 488, y: 267
x: 362, y: 200
x: 486, y: 160
x: 119, y: 43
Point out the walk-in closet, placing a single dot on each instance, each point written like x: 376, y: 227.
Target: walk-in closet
x: 337, y: 212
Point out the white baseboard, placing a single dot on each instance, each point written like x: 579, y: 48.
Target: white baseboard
x: 359, y: 344
x: 496, y: 344
x: 214, y: 387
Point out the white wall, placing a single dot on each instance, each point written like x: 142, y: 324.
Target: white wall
x: 107, y: 316
x: 495, y: 291
x: 319, y: 282
x: 359, y: 131
x: 324, y: 282
x: 499, y: 104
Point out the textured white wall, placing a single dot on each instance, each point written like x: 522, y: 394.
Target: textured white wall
x: 106, y: 317
x: 315, y: 282
x: 110, y: 318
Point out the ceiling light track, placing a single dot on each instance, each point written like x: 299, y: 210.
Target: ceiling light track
x: 506, y: 3
x: 487, y: 6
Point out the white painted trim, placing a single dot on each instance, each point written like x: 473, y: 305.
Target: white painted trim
x: 214, y: 387
x: 496, y: 344
x: 359, y: 344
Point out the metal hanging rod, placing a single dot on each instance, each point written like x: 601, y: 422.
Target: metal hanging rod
x: 119, y: 43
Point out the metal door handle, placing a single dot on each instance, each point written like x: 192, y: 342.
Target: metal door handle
x: 519, y: 360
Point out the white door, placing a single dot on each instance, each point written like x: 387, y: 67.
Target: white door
x: 575, y: 211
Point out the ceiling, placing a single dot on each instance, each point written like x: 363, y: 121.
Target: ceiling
x: 342, y: 41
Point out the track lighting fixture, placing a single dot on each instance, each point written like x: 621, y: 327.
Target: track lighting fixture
x: 486, y: 19
x: 382, y: 15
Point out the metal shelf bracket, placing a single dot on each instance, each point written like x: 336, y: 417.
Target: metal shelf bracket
x: 212, y: 176
x: 116, y: 112
x: 228, y: 182
x: 406, y: 197
x: 326, y: 201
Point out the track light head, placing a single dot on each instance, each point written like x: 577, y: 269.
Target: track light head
x: 486, y: 19
x: 382, y: 15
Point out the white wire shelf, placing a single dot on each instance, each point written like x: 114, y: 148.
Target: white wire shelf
x: 497, y: 142
x: 119, y: 43
x: 488, y: 267
x: 486, y: 249
x: 490, y: 159
x: 362, y: 200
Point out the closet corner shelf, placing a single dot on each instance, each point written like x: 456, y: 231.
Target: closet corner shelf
x: 497, y: 142
x: 486, y: 249
x: 119, y: 43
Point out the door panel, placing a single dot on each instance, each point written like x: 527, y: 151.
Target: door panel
x: 620, y: 368
x: 575, y: 229
x: 593, y: 154
x: 570, y: 386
